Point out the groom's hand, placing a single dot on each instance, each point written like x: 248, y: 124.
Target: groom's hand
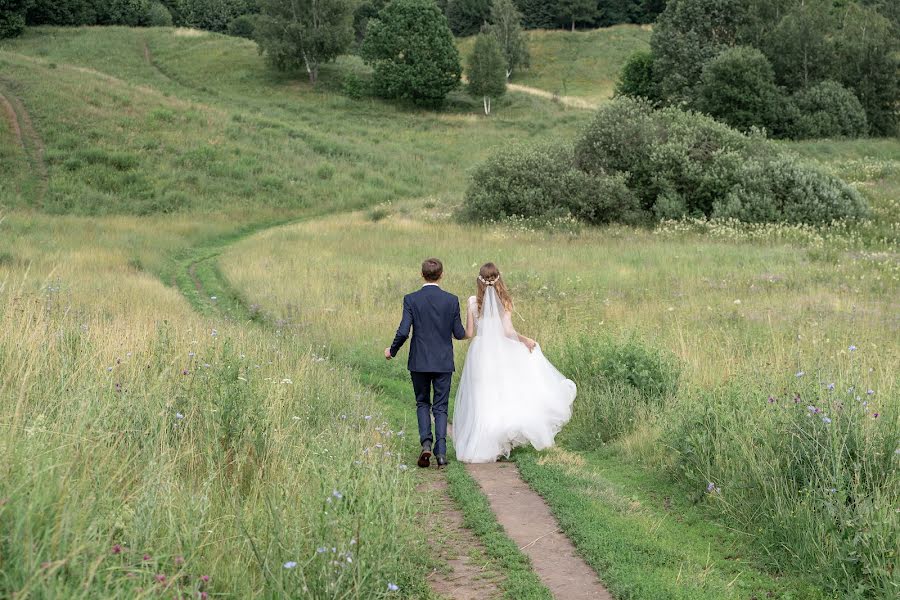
x: 387, y: 353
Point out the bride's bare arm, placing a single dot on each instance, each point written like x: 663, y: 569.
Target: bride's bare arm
x: 470, y: 319
x: 512, y: 333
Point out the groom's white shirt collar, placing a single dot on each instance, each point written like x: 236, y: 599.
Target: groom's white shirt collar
x: 434, y: 284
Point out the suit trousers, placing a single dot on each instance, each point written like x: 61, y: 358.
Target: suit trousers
x: 423, y: 383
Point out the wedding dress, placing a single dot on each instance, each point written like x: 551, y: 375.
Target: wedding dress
x: 507, y: 396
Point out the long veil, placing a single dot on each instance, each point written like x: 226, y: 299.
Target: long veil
x: 507, y: 395
x: 495, y: 322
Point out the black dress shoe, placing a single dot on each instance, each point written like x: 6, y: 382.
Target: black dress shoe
x: 441, y: 461
x: 424, y: 458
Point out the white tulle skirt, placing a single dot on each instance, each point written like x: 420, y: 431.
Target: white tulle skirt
x: 508, y: 397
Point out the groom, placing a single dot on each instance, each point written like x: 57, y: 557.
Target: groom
x: 433, y: 315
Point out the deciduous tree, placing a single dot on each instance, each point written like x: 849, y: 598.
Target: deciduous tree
x: 506, y: 26
x: 487, y: 70
x: 304, y: 33
x: 413, y: 53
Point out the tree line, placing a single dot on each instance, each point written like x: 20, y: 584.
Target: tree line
x: 797, y: 68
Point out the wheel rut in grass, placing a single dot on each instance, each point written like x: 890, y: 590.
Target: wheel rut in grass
x: 24, y: 133
x: 463, y: 572
x: 528, y: 522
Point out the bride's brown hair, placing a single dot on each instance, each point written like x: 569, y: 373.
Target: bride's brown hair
x: 489, y: 276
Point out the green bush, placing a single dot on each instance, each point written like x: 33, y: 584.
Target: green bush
x: 243, y: 26
x: 620, y: 383
x: 682, y: 163
x: 738, y: 87
x: 828, y: 109
x: 413, y: 53
x: 12, y: 17
x: 215, y: 15
x: 637, y: 79
x: 467, y: 17
x: 541, y: 182
x: 132, y: 13
x: 159, y: 16
x: 786, y: 190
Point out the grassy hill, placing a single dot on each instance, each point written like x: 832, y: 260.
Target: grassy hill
x: 146, y: 411
x: 583, y: 64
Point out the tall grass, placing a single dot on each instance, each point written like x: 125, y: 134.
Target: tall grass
x: 150, y: 452
x: 739, y: 319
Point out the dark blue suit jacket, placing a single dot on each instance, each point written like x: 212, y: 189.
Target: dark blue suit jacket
x: 433, y: 316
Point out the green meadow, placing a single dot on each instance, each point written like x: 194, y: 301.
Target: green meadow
x: 201, y: 261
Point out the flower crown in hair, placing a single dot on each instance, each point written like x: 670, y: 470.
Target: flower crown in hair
x: 490, y: 282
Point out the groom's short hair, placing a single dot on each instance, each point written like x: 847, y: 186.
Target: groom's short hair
x: 432, y: 269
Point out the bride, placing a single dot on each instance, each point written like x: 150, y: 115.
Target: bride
x: 509, y: 394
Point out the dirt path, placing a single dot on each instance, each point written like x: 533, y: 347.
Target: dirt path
x: 529, y: 522
x: 570, y: 101
x: 464, y: 573
x: 25, y: 134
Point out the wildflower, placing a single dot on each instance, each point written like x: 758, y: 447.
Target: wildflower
x: 875, y: 415
x: 109, y: 368
x: 203, y: 595
x: 710, y: 487
x: 771, y: 400
x: 287, y: 381
x: 213, y: 298
x: 852, y: 348
x: 403, y: 467
x: 117, y: 549
x: 343, y: 416
x: 290, y: 564
x: 185, y: 372
x: 321, y: 550
x: 897, y: 451
x: 337, y: 494
x: 830, y: 387
x: 870, y: 392
x: 214, y: 333
x: 146, y: 557
x: 737, y: 301
x: 191, y: 354
x: 204, y: 578
x: 800, y: 374
x: 826, y: 420
x: 368, y: 417
x: 179, y: 560
x: 392, y: 587
x: 400, y: 433
x: 832, y: 490
x: 160, y: 578
x: 179, y: 416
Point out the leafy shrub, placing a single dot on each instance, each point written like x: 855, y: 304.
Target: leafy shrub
x: 12, y: 17
x: 412, y: 52
x: 620, y: 383
x: 637, y: 79
x: 542, y: 182
x: 132, y: 13
x: 215, y: 15
x: 243, y: 26
x: 467, y: 17
x: 159, y: 16
x: 738, y: 87
x: 682, y: 163
x: 786, y: 190
x: 355, y: 85
x: 828, y: 109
